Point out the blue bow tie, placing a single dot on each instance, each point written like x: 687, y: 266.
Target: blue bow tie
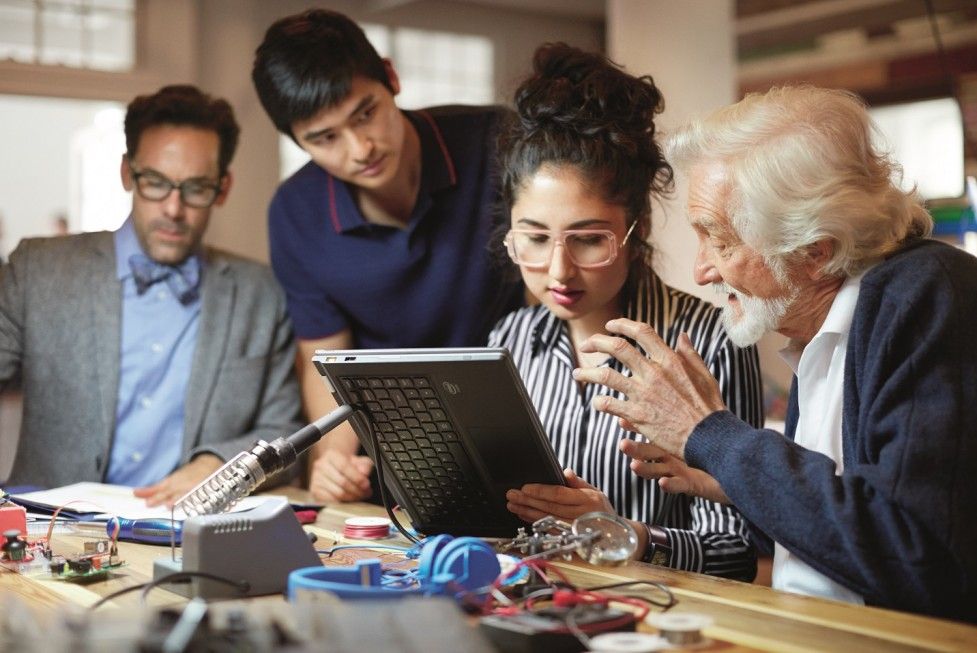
x: 183, y: 281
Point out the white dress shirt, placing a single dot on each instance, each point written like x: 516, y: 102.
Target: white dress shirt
x: 820, y: 370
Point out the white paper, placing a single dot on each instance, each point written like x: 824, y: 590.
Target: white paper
x: 114, y: 501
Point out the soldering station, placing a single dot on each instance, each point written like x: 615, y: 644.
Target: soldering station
x: 520, y: 599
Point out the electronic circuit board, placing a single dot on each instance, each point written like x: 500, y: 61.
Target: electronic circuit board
x: 97, y: 561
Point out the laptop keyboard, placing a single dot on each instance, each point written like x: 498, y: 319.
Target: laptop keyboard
x: 421, y: 445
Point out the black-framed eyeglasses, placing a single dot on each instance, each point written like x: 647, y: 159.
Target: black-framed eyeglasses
x: 152, y: 186
x: 587, y: 248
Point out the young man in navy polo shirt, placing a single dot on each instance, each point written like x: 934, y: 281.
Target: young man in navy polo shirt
x: 382, y: 239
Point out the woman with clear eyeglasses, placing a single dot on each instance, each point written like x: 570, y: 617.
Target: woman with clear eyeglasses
x: 579, y: 167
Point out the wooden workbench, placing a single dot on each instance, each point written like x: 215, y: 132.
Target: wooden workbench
x: 746, y: 617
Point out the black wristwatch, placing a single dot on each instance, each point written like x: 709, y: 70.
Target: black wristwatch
x: 658, y: 551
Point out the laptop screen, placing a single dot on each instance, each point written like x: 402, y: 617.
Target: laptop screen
x: 454, y: 430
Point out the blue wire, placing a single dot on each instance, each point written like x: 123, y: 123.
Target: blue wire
x: 391, y: 578
x: 331, y: 550
x: 405, y: 578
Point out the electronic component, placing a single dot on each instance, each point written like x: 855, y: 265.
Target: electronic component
x: 14, y: 548
x: 99, y: 558
x: 21, y: 556
x: 13, y: 517
x: 249, y: 469
x: 80, y: 565
x: 33, y: 558
x: 600, y: 538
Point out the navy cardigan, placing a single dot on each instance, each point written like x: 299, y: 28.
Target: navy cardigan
x: 899, y: 526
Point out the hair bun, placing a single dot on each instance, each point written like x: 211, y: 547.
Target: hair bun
x: 586, y: 94
x: 579, y: 109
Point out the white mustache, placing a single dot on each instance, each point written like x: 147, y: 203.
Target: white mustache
x: 723, y: 288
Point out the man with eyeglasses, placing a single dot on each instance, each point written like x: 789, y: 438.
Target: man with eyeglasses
x: 147, y: 359
x: 868, y: 494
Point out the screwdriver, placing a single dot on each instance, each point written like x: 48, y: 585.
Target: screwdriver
x: 144, y: 531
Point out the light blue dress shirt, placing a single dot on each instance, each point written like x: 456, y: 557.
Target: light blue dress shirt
x: 159, y: 335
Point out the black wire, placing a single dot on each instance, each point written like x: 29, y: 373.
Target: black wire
x: 665, y: 606
x: 115, y: 595
x: 941, y: 51
x: 378, y: 461
x: 242, y: 585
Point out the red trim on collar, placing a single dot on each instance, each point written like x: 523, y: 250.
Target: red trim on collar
x: 444, y: 148
x: 330, y: 184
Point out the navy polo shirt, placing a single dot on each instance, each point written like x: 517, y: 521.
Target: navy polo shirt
x: 430, y: 284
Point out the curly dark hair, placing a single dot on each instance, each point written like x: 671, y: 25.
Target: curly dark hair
x: 183, y: 105
x: 582, y: 110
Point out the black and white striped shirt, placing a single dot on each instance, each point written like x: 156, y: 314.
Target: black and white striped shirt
x: 705, y: 537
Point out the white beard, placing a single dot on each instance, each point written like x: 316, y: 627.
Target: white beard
x: 758, y: 316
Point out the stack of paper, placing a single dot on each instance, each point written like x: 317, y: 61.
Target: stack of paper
x: 100, y: 501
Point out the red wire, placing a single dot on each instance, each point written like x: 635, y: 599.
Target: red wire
x: 541, y: 567
x: 57, y: 511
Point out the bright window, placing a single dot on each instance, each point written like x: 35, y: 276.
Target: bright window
x: 92, y: 34
x: 926, y: 138
x: 442, y: 68
x: 66, y: 167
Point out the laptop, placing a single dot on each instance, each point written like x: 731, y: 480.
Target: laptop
x: 455, y: 427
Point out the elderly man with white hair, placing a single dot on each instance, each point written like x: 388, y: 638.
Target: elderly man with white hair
x: 803, y: 229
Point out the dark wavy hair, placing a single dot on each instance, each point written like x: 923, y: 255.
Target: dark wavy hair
x: 580, y: 109
x: 307, y: 62
x: 183, y: 105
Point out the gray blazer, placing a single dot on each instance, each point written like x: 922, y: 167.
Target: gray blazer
x: 60, y: 335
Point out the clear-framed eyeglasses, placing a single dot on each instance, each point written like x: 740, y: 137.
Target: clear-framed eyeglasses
x: 587, y: 248
x: 152, y: 186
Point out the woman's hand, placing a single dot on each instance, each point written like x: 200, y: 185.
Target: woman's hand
x: 673, y: 475
x: 534, y: 500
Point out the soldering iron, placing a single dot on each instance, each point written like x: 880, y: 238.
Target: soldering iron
x: 144, y: 531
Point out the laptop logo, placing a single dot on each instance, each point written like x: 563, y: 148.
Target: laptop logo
x: 451, y: 388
